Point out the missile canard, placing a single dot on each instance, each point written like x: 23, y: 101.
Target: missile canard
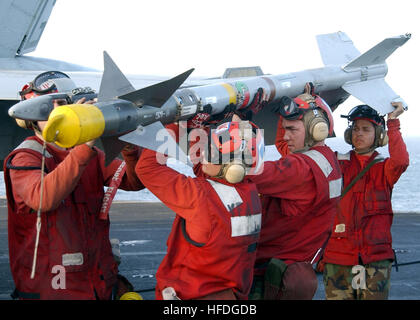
x: 135, y: 116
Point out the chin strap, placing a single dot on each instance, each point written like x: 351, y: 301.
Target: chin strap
x: 372, y: 148
x: 304, y: 149
x: 38, y: 214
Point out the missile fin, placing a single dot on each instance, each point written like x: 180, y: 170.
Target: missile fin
x: 379, y: 53
x: 113, y: 83
x: 152, y: 136
x: 336, y: 48
x: 375, y: 93
x: 112, y: 147
x: 156, y: 95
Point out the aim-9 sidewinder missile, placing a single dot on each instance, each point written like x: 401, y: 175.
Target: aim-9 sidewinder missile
x: 124, y: 114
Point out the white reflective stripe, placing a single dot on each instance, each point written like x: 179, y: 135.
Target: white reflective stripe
x: 33, y: 145
x: 321, y: 161
x: 245, y: 225
x: 343, y: 156
x: 229, y: 196
x: 335, y: 188
x: 72, y: 259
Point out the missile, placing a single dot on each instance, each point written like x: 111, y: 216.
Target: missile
x: 124, y: 114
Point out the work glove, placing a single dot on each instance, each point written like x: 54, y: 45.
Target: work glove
x: 200, y: 119
x: 259, y: 101
x: 226, y: 114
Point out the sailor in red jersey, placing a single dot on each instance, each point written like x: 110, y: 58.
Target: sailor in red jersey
x: 300, y: 193
x: 362, y: 228
x: 73, y: 241
x: 212, y: 245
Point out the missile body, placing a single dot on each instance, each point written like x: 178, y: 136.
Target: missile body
x: 125, y: 114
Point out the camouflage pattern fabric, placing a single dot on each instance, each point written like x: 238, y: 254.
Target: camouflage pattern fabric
x: 267, y: 286
x: 257, y: 289
x: 366, y: 282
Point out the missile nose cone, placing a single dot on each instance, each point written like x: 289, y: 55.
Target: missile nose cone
x: 11, y: 113
x: 16, y: 111
x: 34, y: 109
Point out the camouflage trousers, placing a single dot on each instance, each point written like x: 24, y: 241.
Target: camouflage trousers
x: 361, y: 282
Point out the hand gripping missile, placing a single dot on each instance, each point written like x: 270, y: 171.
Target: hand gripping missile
x: 136, y: 116
x: 120, y: 115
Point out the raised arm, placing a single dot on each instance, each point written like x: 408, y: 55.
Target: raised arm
x: 58, y: 183
x: 179, y: 192
x: 398, y: 156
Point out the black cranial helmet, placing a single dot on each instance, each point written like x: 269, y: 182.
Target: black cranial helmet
x: 365, y: 112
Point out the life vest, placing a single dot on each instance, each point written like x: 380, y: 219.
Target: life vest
x: 291, y: 235
x: 72, y: 237
x: 362, y: 227
x: 226, y: 260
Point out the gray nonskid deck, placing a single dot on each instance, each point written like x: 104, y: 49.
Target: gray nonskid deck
x: 143, y: 228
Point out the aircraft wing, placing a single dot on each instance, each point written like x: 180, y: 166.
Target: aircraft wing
x: 21, y: 25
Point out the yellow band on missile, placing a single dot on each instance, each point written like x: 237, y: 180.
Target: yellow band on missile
x: 74, y: 124
x: 231, y: 91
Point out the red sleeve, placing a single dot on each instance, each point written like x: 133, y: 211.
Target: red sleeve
x: 130, y: 181
x: 176, y: 130
x: 58, y: 184
x: 286, y: 178
x: 281, y: 145
x: 398, y: 160
x: 180, y: 193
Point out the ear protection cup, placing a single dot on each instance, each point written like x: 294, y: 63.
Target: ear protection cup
x: 347, y: 135
x: 316, y: 127
x: 234, y: 172
x: 25, y: 124
x: 381, y: 136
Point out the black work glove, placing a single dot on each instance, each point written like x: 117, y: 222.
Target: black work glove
x: 200, y: 119
x: 260, y: 101
x: 226, y: 114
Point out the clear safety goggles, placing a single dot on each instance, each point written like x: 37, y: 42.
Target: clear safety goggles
x: 47, y: 82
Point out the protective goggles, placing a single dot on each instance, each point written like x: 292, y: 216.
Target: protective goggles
x: 365, y: 112
x: 44, y: 83
x: 293, y: 109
